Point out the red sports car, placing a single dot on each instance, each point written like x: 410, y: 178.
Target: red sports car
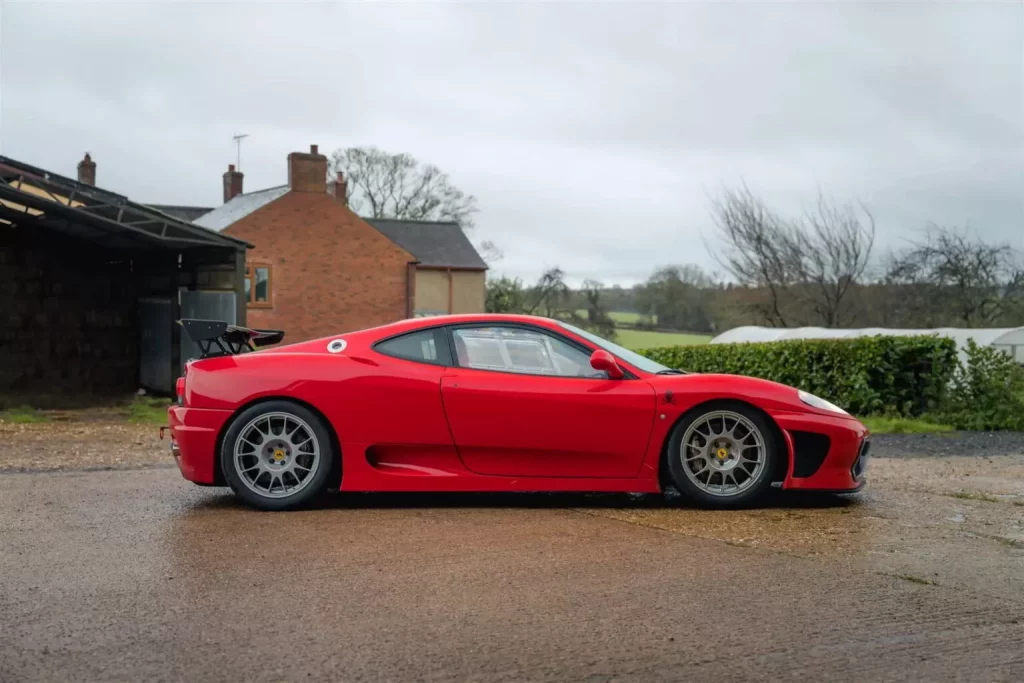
x: 491, y: 403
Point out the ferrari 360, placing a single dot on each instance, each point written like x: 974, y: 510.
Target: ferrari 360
x: 491, y: 403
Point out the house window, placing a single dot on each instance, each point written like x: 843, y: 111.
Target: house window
x: 257, y: 284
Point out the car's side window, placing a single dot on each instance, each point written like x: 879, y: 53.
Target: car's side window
x: 425, y: 346
x: 520, y: 350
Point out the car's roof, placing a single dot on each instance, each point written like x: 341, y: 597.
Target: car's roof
x: 463, y: 318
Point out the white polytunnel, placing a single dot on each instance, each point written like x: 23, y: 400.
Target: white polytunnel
x: 1009, y: 340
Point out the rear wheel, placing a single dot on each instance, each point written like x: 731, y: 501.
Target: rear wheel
x: 722, y: 455
x: 277, y: 455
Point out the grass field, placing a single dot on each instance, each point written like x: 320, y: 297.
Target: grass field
x: 23, y: 415
x: 139, y: 410
x: 902, y: 425
x: 626, y: 317
x: 631, y: 318
x: 643, y: 339
x: 147, y: 410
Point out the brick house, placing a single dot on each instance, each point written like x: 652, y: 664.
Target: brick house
x: 318, y: 268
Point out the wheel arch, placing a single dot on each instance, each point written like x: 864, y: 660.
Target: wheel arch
x: 333, y: 479
x: 781, y: 466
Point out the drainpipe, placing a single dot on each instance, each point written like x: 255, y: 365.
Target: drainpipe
x: 410, y: 290
x: 241, y: 304
x: 451, y: 292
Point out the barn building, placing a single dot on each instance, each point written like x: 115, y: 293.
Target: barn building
x: 91, y: 284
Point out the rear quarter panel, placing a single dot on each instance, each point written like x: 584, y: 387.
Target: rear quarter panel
x: 366, y: 398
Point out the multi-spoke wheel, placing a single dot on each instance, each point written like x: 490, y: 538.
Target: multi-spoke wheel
x: 723, y: 455
x: 276, y: 455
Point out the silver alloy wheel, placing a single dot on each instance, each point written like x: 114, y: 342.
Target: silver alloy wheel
x: 723, y: 453
x: 276, y: 455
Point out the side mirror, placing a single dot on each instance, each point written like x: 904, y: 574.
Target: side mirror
x: 602, y: 360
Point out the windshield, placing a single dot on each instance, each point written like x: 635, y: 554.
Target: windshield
x: 631, y: 357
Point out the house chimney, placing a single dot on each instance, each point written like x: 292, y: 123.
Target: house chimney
x: 341, y: 188
x: 232, y: 183
x: 87, y: 170
x: 307, y: 172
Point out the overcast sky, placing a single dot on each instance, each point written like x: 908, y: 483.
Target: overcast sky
x: 592, y: 135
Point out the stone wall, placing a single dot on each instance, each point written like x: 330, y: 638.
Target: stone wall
x: 68, y: 322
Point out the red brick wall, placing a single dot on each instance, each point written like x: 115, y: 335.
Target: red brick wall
x: 307, y: 172
x: 331, y: 272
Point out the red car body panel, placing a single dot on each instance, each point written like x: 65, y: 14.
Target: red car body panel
x: 194, y: 433
x: 548, y: 426
x: 404, y: 425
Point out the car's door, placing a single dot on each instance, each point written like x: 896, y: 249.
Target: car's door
x: 524, y: 402
x: 399, y: 418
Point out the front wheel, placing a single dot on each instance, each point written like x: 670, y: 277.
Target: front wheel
x: 277, y: 455
x: 722, y: 455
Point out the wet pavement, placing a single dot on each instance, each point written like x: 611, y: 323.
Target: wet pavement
x: 136, y: 575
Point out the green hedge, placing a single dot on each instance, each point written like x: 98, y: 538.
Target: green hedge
x: 865, y: 375
x: 987, y: 392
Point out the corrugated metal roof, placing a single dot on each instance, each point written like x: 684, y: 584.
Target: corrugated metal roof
x: 239, y: 207
x: 442, y: 245
x: 182, y: 213
x: 50, y: 200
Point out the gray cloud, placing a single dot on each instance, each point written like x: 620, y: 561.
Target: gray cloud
x: 592, y: 134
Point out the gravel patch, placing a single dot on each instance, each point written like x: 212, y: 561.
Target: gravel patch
x: 947, y: 444
x: 81, y: 446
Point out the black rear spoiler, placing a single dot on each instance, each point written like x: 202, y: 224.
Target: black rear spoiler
x: 228, y: 339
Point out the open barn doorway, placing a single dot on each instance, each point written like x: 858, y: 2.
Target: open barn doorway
x: 91, y: 285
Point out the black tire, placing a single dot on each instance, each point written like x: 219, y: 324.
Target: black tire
x: 762, y: 480
x: 316, y: 481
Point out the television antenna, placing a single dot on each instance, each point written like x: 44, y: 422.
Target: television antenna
x: 238, y: 141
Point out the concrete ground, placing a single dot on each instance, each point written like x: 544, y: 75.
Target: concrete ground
x: 134, y: 574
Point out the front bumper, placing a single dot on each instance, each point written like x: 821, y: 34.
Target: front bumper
x: 825, y: 453
x: 194, y: 435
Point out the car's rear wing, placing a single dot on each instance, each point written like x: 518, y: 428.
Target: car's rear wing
x: 218, y: 338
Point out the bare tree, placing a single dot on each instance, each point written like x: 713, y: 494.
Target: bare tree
x: 806, y: 267
x: 385, y: 185
x: 591, y: 291
x: 759, y: 249
x: 597, y: 318
x: 960, y: 279
x: 834, y: 251
x: 489, y: 251
x: 549, y: 295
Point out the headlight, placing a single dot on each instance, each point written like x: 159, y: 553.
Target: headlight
x: 819, y: 403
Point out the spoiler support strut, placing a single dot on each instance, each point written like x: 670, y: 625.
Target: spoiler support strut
x: 218, y: 338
